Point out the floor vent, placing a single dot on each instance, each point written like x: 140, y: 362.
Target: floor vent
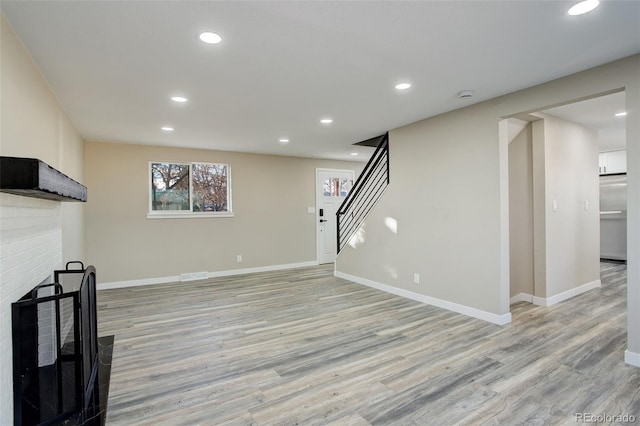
x: 192, y: 276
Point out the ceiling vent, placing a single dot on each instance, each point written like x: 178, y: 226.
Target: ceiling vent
x: 465, y: 94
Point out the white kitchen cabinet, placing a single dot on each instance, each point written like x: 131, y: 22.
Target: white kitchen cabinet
x: 613, y: 162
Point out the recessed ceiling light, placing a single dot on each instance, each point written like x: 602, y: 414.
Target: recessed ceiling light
x: 403, y: 86
x: 179, y: 99
x: 326, y: 121
x: 583, y: 7
x: 621, y: 114
x: 284, y: 140
x: 354, y: 153
x: 210, y: 38
x: 167, y: 129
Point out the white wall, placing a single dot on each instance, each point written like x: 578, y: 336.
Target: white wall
x: 449, y: 194
x: 570, y: 207
x: 612, y: 139
x: 521, y: 213
x: 444, y: 196
x: 35, y: 235
x: 271, y: 225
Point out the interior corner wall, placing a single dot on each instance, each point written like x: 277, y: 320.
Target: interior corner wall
x: 36, y: 235
x: 571, y: 205
x: 271, y: 225
x: 446, y: 197
x: 521, y: 257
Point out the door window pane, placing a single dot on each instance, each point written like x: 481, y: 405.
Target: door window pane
x: 345, y: 186
x: 337, y: 187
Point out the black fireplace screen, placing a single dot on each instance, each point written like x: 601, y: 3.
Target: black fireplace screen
x: 55, y: 350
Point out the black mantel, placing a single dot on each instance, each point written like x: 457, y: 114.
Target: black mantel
x: 34, y: 178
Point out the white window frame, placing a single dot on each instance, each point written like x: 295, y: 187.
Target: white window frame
x: 187, y: 214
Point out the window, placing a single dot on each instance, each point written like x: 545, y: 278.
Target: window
x: 337, y: 187
x: 189, y: 190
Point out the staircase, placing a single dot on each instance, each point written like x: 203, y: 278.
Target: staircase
x: 367, y: 190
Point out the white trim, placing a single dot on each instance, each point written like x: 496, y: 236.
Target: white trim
x: 317, y: 193
x: 136, y: 283
x: 262, y: 269
x: 444, y: 304
x: 184, y: 214
x: 188, y: 215
x: 632, y: 358
x: 521, y: 297
x: 540, y: 301
x: 194, y: 276
x: 176, y: 279
x: 503, y: 166
x: 560, y: 297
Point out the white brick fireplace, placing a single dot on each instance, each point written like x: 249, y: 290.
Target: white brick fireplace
x: 30, y: 250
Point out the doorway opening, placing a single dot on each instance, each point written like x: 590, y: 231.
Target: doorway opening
x: 567, y: 197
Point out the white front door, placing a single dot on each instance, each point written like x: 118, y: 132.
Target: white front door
x: 332, y: 187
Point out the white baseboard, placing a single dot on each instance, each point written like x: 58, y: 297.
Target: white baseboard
x: 521, y: 297
x: 136, y: 283
x: 262, y: 269
x: 632, y: 358
x: 560, y: 297
x: 173, y: 279
x: 542, y: 301
x: 193, y: 276
x: 444, y: 304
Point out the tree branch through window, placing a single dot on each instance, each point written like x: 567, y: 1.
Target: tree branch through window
x: 190, y: 187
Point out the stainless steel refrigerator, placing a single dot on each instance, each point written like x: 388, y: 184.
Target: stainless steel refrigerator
x: 613, y: 217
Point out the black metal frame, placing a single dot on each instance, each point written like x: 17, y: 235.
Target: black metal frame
x: 80, y: 366
x: 89, y: 326
x: 365, y: 193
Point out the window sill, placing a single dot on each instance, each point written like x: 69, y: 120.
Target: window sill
x: 188, y: 215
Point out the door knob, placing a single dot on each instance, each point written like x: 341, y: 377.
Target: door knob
x: 323, y: 220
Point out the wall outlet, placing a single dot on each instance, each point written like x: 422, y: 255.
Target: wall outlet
x: 416, y: 278
x: 239, y: 258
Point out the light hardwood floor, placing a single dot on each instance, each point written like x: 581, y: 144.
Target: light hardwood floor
x: 302, y: 347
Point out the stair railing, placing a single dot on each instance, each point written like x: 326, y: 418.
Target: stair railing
x: 367, y: 190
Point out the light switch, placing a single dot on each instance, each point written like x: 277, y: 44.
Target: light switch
x: 586, y: 205
x: 554, y: 205
x: 311, y: 210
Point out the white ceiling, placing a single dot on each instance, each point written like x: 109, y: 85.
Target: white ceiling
x: 598, y: 114
x: 282, y: 66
